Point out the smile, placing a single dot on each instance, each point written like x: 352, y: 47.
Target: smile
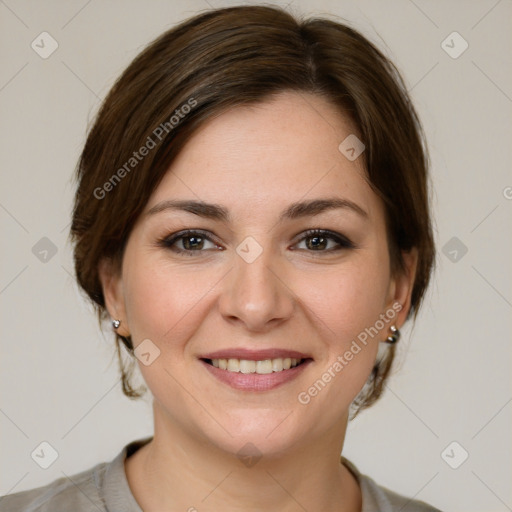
x: 255, y: 370
x: 261, y: 367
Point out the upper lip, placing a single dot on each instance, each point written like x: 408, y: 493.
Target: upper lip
x: 254, y: 355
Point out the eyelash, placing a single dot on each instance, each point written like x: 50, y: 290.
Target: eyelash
x: 342, y: 241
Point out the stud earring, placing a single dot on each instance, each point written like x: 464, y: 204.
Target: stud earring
x: 394, y: 337
x: 116, y: 323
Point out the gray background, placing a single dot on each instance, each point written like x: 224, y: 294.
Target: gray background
x: 59, y: 377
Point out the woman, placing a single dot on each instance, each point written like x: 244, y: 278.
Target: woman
x: 252, y: 216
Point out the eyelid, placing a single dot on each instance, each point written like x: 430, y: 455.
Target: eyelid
x: 168, y: 241
x: 343, y: 241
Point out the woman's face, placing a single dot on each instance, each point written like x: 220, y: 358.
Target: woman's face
x: 225, y: 268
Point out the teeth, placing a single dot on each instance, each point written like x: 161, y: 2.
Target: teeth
x: 261, y: 367
x: 247, y: 366
x: 264, y: 366
x: 277, y: 364
x: 233, y: 365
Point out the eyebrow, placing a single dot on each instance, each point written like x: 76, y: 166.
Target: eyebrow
x: 294, y: 211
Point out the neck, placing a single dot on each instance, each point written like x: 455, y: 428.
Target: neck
x: 178, y: 470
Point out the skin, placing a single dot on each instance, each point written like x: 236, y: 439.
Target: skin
x: 255, y: 162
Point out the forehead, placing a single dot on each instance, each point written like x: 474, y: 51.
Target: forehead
x: 274, y: 152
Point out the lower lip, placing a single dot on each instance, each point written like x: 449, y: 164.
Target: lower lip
x: 256, y: 381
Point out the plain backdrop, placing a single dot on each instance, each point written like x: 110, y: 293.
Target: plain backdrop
x: 59, y: 377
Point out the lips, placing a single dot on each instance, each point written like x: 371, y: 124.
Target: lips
x: 255, y: 370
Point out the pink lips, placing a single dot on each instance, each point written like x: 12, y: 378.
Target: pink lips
x: 254, y: 381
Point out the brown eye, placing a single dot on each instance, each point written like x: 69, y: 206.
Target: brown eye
x: 189, y: 242
x: 316, y: 242
x: 321, y: 240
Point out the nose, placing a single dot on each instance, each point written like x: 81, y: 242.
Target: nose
x: 256, y: 295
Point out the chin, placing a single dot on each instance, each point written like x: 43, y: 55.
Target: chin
x: 269, y: 433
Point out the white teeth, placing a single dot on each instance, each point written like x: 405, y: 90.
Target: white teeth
x: 234, y: 365
x: 247, y: 366
x: 261, y: 367
x: 277, y: 364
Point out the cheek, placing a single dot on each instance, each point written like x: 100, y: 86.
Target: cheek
x: 345, y: 312
x: 347, y: 303
x: 163, y: 302
x: 347, y: 300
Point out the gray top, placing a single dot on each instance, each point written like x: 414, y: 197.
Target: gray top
x: 104, y: 488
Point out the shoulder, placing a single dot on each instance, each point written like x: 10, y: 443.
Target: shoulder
x: 79, y: 492
x: 388, y: 500
x: 377, y: 498
x: 101, y: 488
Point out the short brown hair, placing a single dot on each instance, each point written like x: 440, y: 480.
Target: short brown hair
x: 239, y: 56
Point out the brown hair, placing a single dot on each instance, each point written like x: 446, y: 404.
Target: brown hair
x: 238, y: 56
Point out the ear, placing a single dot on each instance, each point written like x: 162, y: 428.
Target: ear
x: 112, y: 284
x: 402, y: 284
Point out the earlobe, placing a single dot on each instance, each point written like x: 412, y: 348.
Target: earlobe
x: 112, y: 285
